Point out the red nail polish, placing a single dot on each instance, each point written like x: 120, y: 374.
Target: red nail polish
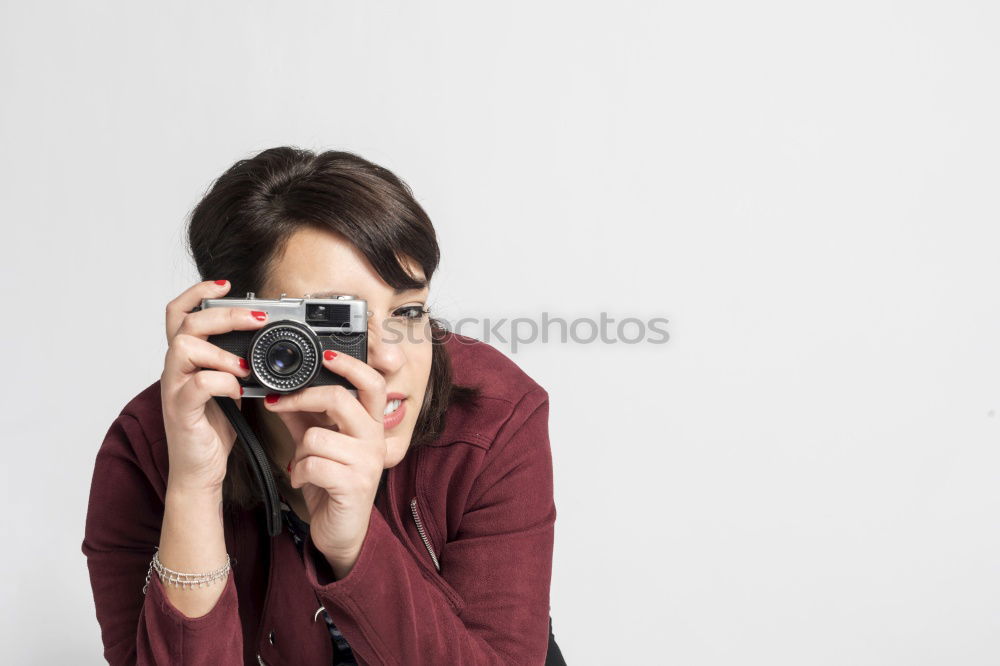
x: 329, y: 354
x: 258, y: 315
x: 272, y: 398
x: 241, y: 390
x: 220, y: 282
x: 289, y: 468
x: 244, y: 364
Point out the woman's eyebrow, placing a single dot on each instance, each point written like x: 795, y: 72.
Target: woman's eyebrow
x: 400, y: 292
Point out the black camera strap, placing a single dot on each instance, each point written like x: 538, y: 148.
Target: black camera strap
x: 258, y: 461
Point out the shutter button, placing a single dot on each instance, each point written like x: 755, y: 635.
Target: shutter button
x: 270, y: 637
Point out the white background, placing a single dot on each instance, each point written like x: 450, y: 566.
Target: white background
x: 805, y: 474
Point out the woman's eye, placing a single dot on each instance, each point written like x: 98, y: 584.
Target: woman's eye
x: 411, y: 312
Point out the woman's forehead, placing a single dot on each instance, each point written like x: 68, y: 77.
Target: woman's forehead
x: 320, y: 263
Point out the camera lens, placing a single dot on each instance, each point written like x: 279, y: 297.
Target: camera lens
x: 284, y: 357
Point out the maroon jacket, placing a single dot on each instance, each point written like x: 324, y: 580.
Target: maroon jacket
x: 482, y: 493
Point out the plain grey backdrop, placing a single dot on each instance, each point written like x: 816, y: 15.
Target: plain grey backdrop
x: 806, y: 473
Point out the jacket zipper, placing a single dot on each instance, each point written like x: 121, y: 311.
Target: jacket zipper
x: 423, y: 535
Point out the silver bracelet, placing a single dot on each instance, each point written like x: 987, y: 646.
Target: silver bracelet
x: 183, y: 580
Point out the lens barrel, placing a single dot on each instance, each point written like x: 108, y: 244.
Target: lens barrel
x: 285, y: 356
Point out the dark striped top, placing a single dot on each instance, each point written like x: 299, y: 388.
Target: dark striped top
x: 342, y: 654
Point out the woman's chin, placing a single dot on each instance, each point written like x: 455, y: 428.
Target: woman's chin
x: 396, y: 448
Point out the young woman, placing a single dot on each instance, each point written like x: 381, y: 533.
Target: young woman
x: 418, y: 516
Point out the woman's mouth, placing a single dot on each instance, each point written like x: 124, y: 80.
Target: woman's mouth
x: 395, y: 410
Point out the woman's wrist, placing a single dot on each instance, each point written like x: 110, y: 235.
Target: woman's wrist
x: 192, y: 540
x: 193, y: 490
x: 193, y: 523
x: 342, y: 564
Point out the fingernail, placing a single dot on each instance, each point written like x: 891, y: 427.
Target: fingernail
x: 271, y: 398
x: 329, y: 354
x: 244, y: 364
x: 220, y: 282
x: 241, y: 390
x: 289, y: 468
x: 258, y: 315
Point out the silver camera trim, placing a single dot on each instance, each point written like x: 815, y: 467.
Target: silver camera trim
x: 295, y: 308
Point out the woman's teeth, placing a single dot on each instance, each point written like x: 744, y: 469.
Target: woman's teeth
x: 391, y: 406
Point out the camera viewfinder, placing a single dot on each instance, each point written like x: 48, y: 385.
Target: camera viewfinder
x: 328, y: 314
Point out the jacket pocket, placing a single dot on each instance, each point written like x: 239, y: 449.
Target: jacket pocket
x: 449, y: 592
x: 423, y: 533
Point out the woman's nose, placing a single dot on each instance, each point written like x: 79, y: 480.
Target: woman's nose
x: 385, y: 349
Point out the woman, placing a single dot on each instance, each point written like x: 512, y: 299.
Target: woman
x: 418, y: 516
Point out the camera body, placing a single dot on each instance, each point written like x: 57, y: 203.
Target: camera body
x: 286, y: 354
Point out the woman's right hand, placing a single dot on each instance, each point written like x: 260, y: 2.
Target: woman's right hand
x: 199, y: 436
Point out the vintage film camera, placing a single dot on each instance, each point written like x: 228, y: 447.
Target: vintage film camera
x: 286, y: 354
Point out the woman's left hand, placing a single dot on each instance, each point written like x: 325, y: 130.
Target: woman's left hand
x: 338, y: 470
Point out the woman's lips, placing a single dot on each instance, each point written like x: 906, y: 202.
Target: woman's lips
x: 392, y: 420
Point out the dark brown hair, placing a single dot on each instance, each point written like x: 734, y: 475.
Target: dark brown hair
x: 238, y: 231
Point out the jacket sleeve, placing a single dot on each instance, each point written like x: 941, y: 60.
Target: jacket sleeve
x: 124, y: 516
x: 498, y: 566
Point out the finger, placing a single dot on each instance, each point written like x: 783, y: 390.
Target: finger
x: 298, y: 422
x: 178, y: 308
x: 335, y: 402
x: 319, y: 442
x: 369, y: 381
x: 321, y: 472
x: 215, y: 321
x: 188, y: 354
x: 202, y: 387
x: 325, y: 443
